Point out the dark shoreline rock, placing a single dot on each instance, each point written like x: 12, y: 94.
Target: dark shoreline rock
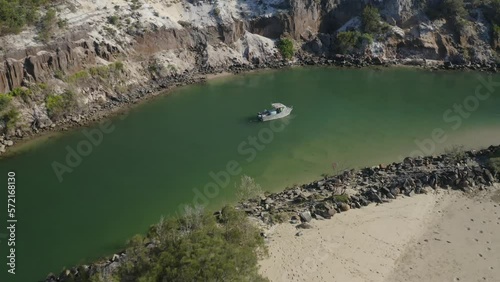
x: 380, y: 184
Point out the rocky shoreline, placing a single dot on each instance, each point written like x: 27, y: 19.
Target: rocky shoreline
x: 164, y: 84
x: 322, y: 199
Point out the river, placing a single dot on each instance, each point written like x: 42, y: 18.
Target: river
x: 192, y: 145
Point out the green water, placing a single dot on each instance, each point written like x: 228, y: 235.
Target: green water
x: 162, y: 151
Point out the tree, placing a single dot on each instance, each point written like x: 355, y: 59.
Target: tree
x: 454, y: 8
x: 371, y: 20
x: 247, y: 189
x: 348, y: 40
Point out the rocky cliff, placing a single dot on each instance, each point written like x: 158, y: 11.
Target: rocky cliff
x: 163, y: 43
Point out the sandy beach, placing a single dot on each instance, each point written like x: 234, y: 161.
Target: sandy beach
x: 443, y: 236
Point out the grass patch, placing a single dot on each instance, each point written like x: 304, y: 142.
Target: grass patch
x: 106, y: 71
x: 344, y: 198
x: 280, y: 217
x: 78, y: 76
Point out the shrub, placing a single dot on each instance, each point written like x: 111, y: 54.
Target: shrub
x: 344, y: 198
x: 280, y: 217
x: 15, y: 14
x: 62, y: 23
x: 106, y: 71
x: 453, y: 8
x: 47, y: 25
x: 494, y: 164
x: 285, y: 45
x: 456, y: 152
x: 78, y: 76
x: 197, y: 246
x: 114, y: 20
x: 117, y: 67
x: 247, y: 189
x: 20, y: 92
x: 348, y: 40
x: 496, y: 31
x: 371, y: 20
x: 10, y: 118
x: 4, y: 101
x: 60, y: 105
x: 59, y: 74
x: 366, y: 37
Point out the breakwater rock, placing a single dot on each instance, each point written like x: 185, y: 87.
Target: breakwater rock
x: 322, y: 199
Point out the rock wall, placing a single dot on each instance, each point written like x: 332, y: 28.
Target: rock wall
x: 68, y: 57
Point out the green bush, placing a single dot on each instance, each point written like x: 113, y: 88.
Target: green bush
x: 78, y: 76
x: 4, y: 101
x: 62, y: 23
x: 106, y: 71
x: 285, y: 46
x: 117, y: 67
x: 47, y: 25
x: 114, y: 20
x: 371, y: 20
x: 366, y: 37
x: 15, y: 14
x: 21, y: 92
x: 494, y: 164
x: 59, y: 74
x: 60, y: 105
x: 197, y: 246
x: 496, y: 31
x: 10, y: 118
x: 348, y: 40
x: 344, y: 198
x: 453, y: 8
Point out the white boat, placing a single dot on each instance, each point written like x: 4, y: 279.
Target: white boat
x: 279, y: 111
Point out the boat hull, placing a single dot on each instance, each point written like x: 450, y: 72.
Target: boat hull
x: 284, y: 113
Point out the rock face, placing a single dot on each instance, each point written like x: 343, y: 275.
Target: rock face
x: 40, y: 67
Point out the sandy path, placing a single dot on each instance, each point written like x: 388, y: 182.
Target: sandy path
x: 388, y: 243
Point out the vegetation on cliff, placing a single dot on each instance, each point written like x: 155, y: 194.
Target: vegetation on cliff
x: 16, y: 14
x: 349, y: 40
x: 59, y: 105
x: 285, y: 45
x: 371, y: 20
